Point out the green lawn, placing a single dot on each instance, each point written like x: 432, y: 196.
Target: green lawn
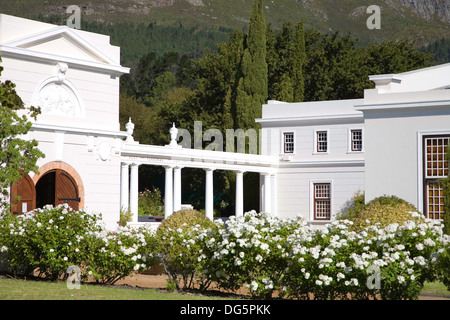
x: 18, y: 289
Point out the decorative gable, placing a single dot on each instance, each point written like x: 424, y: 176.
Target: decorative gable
x: 62, y: 44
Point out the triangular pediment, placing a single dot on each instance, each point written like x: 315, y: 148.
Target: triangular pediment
x: 62, y: 41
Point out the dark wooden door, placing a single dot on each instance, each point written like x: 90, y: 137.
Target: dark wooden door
x: 23, y: 195
x: 66, y: 190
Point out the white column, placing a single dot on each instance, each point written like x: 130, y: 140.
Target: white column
x: 267, y: 194
x: 168, y: 194
x: 124, y: 186
x: 134, y: 191
x: 273, y: 189
x: 176, y: 189
x: 209, y: 194
x: 239, y: 202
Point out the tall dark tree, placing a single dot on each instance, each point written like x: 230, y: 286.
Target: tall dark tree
x: 252, y: 86
x: 286, y: 57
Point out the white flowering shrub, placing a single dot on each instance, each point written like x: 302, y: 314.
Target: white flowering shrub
x: 114, y: 255
x: 48, y: 240
x: 179, y: 248
x: 251, y: 251
x: 270, y: 255
x: 387, y: 263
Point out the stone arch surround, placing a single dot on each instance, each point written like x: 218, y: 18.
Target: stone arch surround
x: 53, y: 165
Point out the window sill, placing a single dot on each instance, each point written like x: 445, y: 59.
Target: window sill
x: 319, y: 153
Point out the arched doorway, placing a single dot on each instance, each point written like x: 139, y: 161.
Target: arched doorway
x: 56, y: 187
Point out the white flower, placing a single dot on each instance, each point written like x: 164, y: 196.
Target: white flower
x: 254, y: 285
x: 52, y: 250
x: 65, y: 258
x: 319, y: 282
x: 4, y: 249
x: 419, y: 246
x: 401, y: 279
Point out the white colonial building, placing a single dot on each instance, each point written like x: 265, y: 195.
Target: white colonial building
x: 320, y: 151
x: 73, y: 76
x: 314, y: 155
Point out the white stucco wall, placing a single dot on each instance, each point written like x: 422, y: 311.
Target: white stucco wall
x: 297, y: 171
x: 394, y: 151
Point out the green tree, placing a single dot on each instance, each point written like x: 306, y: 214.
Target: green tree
x: 286, y: 57
x: 297, y: 59
x: 17, y: 156
x: 252, y: 85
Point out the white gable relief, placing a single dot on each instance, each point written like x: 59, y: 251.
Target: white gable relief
x: 57, y: 96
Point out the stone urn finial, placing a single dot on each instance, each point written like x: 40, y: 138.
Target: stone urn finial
x: 173, y: 135
x: 130, y: 129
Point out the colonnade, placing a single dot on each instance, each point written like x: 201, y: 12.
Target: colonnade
x: 129, y: 194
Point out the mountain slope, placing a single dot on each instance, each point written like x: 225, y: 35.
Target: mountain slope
x: 421, y: 20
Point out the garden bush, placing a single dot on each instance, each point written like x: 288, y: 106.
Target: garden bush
x: 114, y: 255
x: 383, y: 210
x: 179, y: 248
x: 266, y: 254
x: 52, y: 239
x: 47, y: 240
x: 353, y: 207
x: 150, y: 203
x: 251, y: 250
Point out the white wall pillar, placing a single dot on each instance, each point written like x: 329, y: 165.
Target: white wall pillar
x: 273, y: 190
x: 134, y: 191
x: 124, y: 186
x: 239, y: 202
x: 209, y: 194
x: 168, y: 194
x: 267, y: 194
x: 176, y: 189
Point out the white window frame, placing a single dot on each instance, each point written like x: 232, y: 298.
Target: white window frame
x: 311, y: 200
x: 350, y: 140
x: 316, y: 151
x: 282, y: 148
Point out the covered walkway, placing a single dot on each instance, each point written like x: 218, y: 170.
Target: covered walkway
x: 174, y: 158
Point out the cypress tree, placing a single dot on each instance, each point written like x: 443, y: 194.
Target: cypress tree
x: 297, y: 60
x: 251, y: 91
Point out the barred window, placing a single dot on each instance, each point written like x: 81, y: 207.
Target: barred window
x: 357, y: 142
x: 322, y: 141
x: 288, y: 142
x: 322, y: 201
x: 436, y: 148
x: 435, y: 200
x: 435, y: 168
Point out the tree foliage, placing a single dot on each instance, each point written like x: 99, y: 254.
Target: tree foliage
x: 17, y: 155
